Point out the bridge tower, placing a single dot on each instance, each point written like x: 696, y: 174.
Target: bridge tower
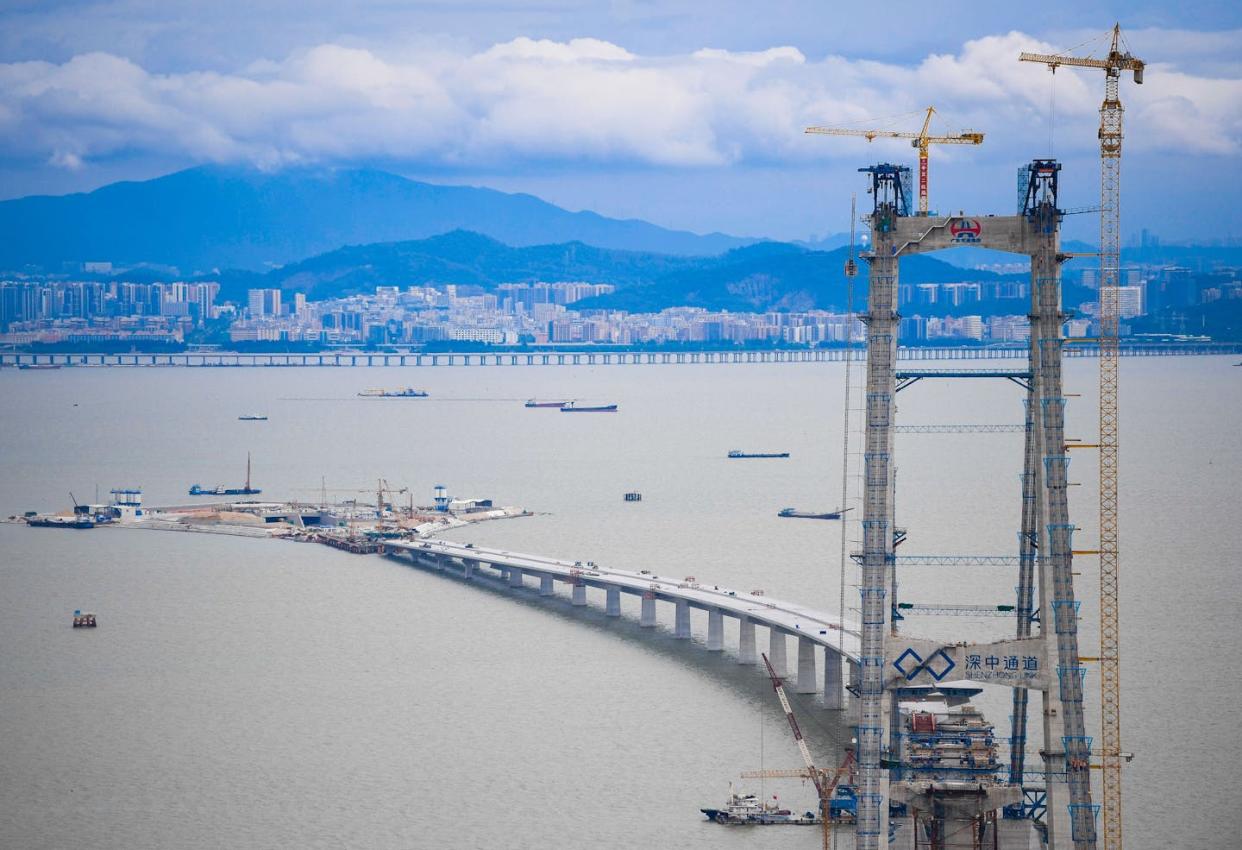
x: 890, y: 191
x: 1050, y: 660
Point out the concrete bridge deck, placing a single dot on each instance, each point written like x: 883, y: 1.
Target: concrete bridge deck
x: 817, y: 633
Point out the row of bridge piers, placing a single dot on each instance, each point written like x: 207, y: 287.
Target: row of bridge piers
x: 805, y: 678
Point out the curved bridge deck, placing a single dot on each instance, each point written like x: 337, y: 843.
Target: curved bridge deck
x: 814, y: 630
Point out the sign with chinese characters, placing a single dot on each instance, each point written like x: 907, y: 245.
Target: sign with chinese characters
x: 915, y: 661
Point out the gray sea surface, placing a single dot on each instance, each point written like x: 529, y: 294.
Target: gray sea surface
x: 260, y: 693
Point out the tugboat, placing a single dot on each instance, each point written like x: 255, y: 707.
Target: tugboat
x: 747, y: 809
x: 221, y: 490
x: 404, y: 392
x: 736, y: 453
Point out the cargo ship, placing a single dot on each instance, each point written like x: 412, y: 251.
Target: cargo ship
x: 221, y: 490
x: 797, y: 514
x: 736, y: 453
x: 404, y: 392
x: 571, y: 407
x: 533, y: 402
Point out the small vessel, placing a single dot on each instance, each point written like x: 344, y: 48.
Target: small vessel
x: 221, y: 490
x: 404, y: 392
x: 252, y: 417
x: 747, y: 809
x: 534, y: 402
x: 634, y: 497
x: 574, y: 407
x: 736, y: 453
x: 797, y: 514
x: 39, y: 366
x: 84, y: 620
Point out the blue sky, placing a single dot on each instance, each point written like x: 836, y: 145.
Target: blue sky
x: 685, y: 114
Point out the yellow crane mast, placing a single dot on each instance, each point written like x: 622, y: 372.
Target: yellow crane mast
x: 921, y: 140
x: 1111, y: 113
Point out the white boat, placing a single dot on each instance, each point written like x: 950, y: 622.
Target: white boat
x: 744, y: 809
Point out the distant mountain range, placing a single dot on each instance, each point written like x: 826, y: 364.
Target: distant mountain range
x: 760, y: 277
x: 214, y: 217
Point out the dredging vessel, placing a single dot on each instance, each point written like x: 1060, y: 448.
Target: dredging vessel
x: 221, y: 490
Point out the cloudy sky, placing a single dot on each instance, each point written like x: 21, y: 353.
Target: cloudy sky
x: 688, y: 114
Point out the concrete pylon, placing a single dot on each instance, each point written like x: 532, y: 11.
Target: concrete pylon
x: 468, y: 568
x: 647, y: 619
x: 746, y: 653
x: 580, y: 594
x: 834, y: 690
x: 515, y: 577
x: 681, y: 625
x: 614, y: 602
x: 806, y: 666
x: 546, y: 585
x: 715, y: 630
x: 776, y: 651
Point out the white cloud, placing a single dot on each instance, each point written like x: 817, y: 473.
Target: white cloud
x: 585, y: 100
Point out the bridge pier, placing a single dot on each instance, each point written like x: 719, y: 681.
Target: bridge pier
x: 776, y: 651
x: 580, y: 594
x: 833, y: 690
x: 715, y: 630
x: 613, y: 608
x: 746, y: 641
x: 515, y: 577
x: 681, y: 625
x: 468, y: 569
x: 806, y: 666
x: 648, y: 617
x: 546, y: 587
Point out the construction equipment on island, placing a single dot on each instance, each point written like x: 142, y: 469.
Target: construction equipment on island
x: 84, y: 620
x: 634, y: 496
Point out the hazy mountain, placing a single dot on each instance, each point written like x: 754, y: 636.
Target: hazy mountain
x: 214, y: 217
x: 760, y: 277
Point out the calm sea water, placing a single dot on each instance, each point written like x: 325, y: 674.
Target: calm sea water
x: 254, y: 693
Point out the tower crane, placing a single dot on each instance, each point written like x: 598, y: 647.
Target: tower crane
x: 381, y: 488
x: 824, y: 785
x: 921, y: 140
x: 1111, y: 114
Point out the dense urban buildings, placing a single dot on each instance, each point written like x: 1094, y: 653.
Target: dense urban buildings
x: 543, y: 313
